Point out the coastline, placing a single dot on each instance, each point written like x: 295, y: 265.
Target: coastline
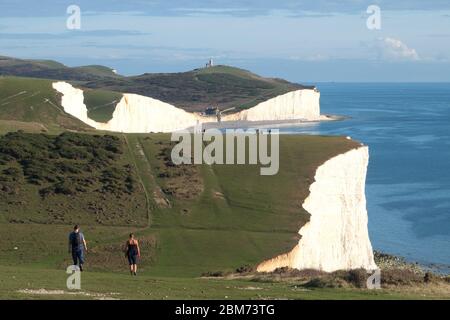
x: 270, y: 124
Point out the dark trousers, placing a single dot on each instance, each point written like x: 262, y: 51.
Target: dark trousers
x: 77, y: 256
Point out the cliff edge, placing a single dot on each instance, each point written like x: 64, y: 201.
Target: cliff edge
x: 139, y: 114
x: 336, y: 237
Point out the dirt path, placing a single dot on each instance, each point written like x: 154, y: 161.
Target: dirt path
x: 147, y: 196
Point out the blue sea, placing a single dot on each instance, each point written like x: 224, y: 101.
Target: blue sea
x: 407, y: 128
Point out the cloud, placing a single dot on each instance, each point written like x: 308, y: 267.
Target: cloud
x: 395, y: 49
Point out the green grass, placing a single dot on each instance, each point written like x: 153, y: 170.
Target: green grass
x: 49, y: 69
x: 98, y: 70
x: 253, y: 218
x: 34, y: 101
x: 101, y: 104
x: 198, y: 232
x: 13, y: 125
x: 48, y: 63
x: 120, y: 285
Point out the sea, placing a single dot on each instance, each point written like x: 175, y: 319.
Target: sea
x: 407, y: 129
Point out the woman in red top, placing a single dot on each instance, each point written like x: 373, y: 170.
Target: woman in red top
x: 132, y: 253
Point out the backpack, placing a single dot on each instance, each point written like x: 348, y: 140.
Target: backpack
x: 76, y: 240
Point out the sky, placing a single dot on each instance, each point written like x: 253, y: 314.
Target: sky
x: 299, y: 40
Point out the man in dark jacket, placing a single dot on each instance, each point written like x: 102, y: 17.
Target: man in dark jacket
x: 77, y: 246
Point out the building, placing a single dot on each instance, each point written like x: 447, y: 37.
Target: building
x: 210, y: 63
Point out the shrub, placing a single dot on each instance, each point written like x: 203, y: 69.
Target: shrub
x: 357, y: 277
x: 12, y: 173
x: 245, y: 269
x: 400, y: 277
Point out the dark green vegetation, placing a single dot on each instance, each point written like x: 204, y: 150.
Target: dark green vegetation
x: 221, y: 86
x: 48, y: 69
x: 67, y: 179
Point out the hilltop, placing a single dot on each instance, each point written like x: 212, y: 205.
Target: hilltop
x: 49, y: 69
x: 219, y: 86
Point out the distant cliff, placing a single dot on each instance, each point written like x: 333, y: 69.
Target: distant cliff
x: 139, y: 114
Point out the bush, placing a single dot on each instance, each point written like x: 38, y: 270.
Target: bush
x: 245, y: 269
x: 357, y: 277
x: 11, y: 174
x: 61, y: 164
x: 65, y: 188
x: 400, y: 277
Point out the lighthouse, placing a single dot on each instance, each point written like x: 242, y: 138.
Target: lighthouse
x: 210, y: 63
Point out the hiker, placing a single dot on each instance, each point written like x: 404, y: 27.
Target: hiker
x: 132, y: 252
x: 77, y: 246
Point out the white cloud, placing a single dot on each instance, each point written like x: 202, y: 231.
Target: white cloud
x: 395, y: 49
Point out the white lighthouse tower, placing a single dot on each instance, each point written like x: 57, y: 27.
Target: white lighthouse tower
x: 210, y: 63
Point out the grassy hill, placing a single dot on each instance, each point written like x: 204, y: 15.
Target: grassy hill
x: 33, y: 105
x: 220, y: 86
x: 198, y: 215
x: 49, y: 69
x: 27, y: 100
x: 190, y: 220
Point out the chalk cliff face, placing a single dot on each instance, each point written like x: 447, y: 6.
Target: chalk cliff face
x: 336, y: 237
x: 139, y: 114
x: 300, y: 104
x: 73, y: 102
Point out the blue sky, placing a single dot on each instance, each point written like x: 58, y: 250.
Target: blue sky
x: 303, y: 41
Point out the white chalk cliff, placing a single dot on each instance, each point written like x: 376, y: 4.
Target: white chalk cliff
x: 294, y: 105
x: 73, y: 102
x: 336, y: 237
x: 140, y: 114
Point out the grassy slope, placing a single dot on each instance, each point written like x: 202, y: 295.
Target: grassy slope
x: 68, y: 179
x: 34, y: 101
x: 193, y: 235
x: 101, y: 104
x: 221, y: 86
x: 195, y: 90
x: 201, y: 233
x: 25, y: 100
x: 49, y: 69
